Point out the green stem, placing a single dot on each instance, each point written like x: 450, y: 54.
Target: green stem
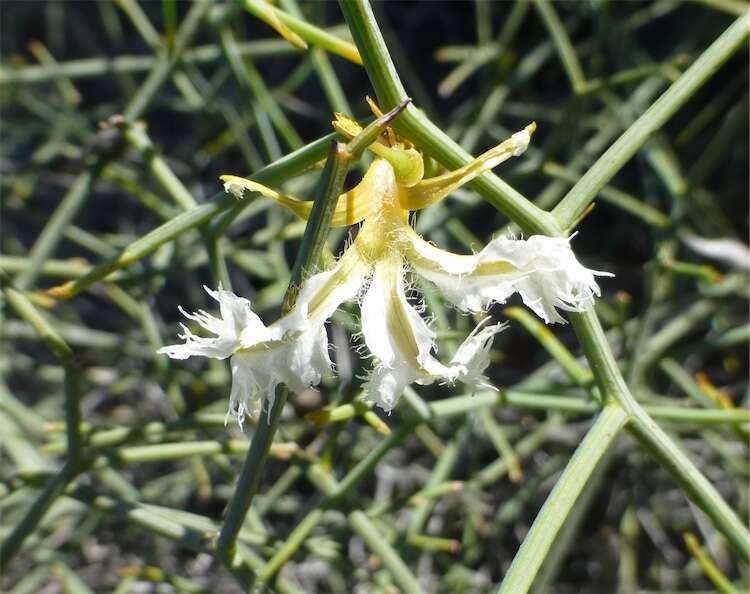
x: 79, y: 191
x: 582, y: 377
x: 91, y: 67
x: 584, y: 192
x: 195, y: 217
x: 374, y: 539
x: 305, y: 30
x: 329, y: 188
x: 136, y: 136
x: 53, y: 230
x: 614, y: 196
x: 416, y: 126
x: 653, y: 437
x: 334, y: 492
x: 56, y: 485
x: 708, y: 566
x: 562, y: 43
x: 693, y: 482
x: 316, y: 232
x: 560, y: 502
x: 168, y: 62
x: 248, y: 482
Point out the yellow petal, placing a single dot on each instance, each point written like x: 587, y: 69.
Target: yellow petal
x: 237, y: 186
x: 351, y: 207
x: 434, y: 189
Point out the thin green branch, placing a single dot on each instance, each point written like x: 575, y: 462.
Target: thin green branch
x: 81, y: 187
x: 330, y: 186
x: 310, y: 33
x: 416, y: 126
x: 653, y: 437
x: 195, y: 217
x: 124, y: 64
x: 551, y: 344
x: 562, y: 43
x: 57, y: 484
x: 584, y: 192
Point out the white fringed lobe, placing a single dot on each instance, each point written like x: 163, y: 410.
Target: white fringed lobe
x: 402, y: 342
x: 543, y: 270
x: 236, y: 316
x: 290, y: 351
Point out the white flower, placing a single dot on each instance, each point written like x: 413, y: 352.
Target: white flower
x: 236, y: 315
x: 294, y: 350
x: 261, y: 357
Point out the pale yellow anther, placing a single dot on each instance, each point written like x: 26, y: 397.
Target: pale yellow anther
x: 346, y: 125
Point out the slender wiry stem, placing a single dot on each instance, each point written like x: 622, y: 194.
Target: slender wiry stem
x: 79, y: 191
x: 329, y: 188
x: 57, y: 484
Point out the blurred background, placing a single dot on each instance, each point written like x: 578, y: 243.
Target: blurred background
x: 201, y: 91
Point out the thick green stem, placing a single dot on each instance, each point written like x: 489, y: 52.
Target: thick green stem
x: 558, y: 505
x: 653, y: 437
x: 674, y: 459
x: 248, y: 482
x: 416, y: 126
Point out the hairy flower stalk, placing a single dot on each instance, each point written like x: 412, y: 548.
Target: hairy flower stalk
x: 294, y: 349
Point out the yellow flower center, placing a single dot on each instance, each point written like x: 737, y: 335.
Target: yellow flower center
x: 381, y: 230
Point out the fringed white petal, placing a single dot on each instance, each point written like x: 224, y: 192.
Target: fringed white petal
x: 235, y: 316
x: 554, y: 279
x: 299, y: 360
x: 402, y: 342
x: 473, y: 356
x: 543, y: 270
x: 385, y: 385
x: 294, y: 349
x: 396, y: 335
